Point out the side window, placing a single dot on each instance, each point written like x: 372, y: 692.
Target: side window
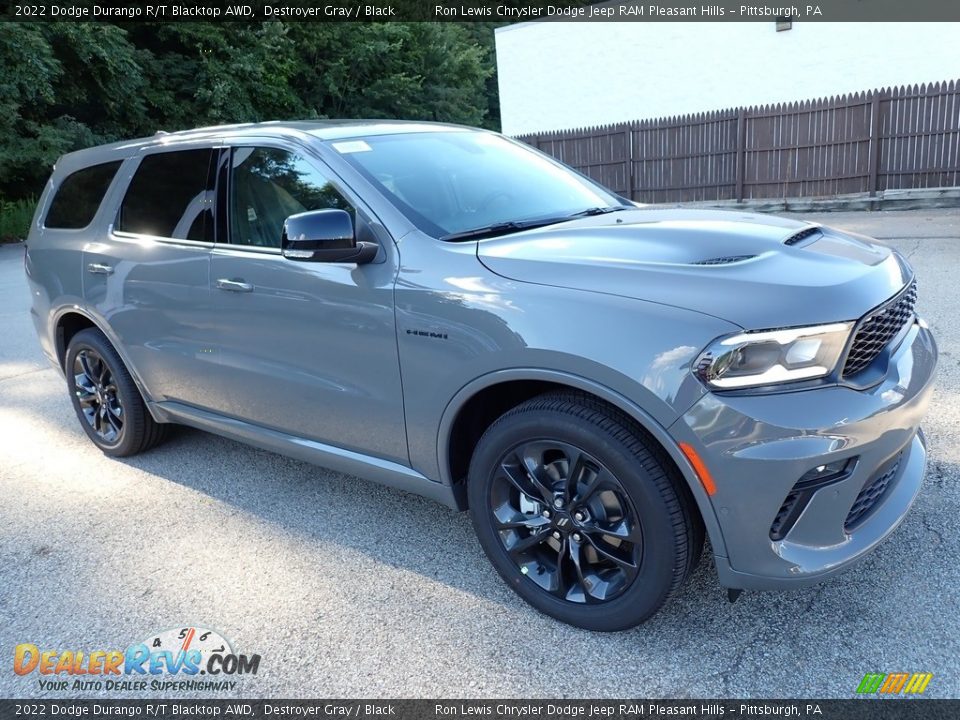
x: 267, y: 186
x: 79, y: 196
x: 170, y: 196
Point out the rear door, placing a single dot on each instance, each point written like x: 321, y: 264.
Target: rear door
x: 148, y: 277
x: 307, y: 348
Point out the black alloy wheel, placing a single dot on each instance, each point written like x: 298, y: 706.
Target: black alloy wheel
x: 97, y: 395
x: 106, y: 399
x: 582, y: 512
x: 566, y: 521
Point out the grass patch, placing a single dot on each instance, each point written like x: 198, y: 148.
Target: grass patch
x: 15, y: 217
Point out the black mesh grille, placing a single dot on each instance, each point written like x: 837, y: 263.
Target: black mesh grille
x: 876, y: 330
x: 781, y: 524
x: 725, y: 260
x: 871, y: 493
x: 802, y: 235
x: 803, y: 491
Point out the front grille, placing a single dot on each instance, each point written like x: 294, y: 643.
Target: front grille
x: 880, y: 327
x: 725, y: 260
x: 802, y: 235
x: 875, y: 489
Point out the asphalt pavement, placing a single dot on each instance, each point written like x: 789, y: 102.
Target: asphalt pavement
x: 348, y: 589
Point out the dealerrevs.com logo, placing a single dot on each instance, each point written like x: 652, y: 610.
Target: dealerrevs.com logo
x: 171, y: 660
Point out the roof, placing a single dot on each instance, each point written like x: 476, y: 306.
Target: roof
x: 321, y: 129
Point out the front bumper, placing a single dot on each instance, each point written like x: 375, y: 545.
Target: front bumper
x: 757, y: 447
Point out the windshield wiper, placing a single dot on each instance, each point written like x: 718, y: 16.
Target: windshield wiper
x: 501, y: 228
x: 599, y: 211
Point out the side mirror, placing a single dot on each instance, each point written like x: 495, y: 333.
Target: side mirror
x: 324, y: 236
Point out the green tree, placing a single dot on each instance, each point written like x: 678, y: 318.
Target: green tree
x: 418, y: 71
x: 206, y: 73
x: 64, y: 86
x: 483, y: 34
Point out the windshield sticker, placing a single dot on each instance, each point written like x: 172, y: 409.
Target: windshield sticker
x: 351, y: 146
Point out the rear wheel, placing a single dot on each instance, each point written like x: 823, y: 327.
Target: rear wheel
x: 105, y: 398
x: 581, y: 512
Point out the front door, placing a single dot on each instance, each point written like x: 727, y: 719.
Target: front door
x: 306, y: 348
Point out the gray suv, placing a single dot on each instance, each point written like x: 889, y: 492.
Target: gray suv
x: 449, y: 312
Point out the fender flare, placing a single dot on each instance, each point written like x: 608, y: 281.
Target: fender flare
x: 630, y: 408
x: 104, y: 327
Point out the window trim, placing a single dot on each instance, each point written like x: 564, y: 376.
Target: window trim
x: 126, y: 235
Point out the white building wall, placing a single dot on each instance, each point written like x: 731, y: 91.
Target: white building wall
x: 559, y: 75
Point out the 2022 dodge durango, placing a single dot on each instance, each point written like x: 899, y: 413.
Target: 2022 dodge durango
x: 450, y: 312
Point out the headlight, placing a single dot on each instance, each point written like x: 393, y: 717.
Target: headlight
x: 774, y: 356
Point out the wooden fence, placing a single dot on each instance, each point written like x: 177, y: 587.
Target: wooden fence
x: 906, y: 137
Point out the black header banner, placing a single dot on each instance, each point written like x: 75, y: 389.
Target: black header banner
x: 479, y: 10
x: 914, y: 708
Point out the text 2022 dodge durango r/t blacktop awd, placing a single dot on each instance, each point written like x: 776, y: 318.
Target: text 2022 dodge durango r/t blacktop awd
x: 450, y: 312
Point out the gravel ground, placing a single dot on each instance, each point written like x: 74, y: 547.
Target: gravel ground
x: 349, y: 589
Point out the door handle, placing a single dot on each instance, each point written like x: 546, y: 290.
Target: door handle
x: 235, y: 285
x: 99, y: 269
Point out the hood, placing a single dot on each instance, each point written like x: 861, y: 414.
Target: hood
x: 757, y: 271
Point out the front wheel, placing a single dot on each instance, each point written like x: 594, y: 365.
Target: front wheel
x: 581, y: 513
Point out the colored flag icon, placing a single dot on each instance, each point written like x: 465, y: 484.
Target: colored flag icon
x: 894, y: 683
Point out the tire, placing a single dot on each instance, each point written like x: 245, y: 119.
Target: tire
x: 107, y: 401
x: 623, y: 533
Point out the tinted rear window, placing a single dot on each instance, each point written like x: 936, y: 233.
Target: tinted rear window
x: 79, y: 196
x: 170, y: 196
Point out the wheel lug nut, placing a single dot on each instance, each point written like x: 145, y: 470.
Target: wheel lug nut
x: 576, y: 537
x: 556, y: 535
x: 558, y: 503
x: 578, y: 516
x: 546, y: 514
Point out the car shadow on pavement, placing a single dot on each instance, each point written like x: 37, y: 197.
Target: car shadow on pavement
x: 389, y: 525
x: 409, y: 565
x: 415, y: 534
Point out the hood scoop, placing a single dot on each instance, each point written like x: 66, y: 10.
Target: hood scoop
x: 733, y: 266
x: 799, y: 237
x: 724, y: 260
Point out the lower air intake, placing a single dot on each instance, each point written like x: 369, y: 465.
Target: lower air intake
x: 871, y: 494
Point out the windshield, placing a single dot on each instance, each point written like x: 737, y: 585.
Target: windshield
x: 453, y: 182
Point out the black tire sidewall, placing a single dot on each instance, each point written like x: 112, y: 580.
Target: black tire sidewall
x: 127, y: 392
x: 655, y: 578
